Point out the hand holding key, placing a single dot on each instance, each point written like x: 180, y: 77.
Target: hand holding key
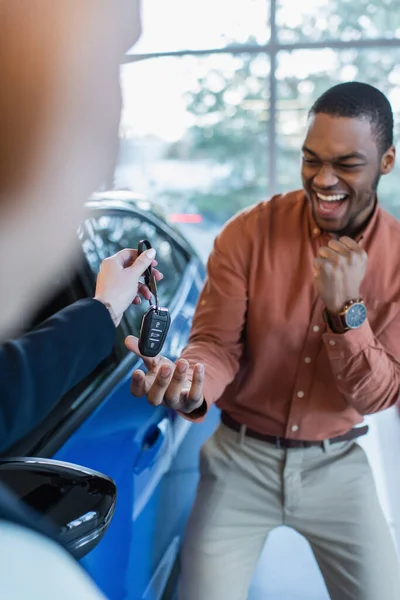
x: 167, y: 383
x: 119, y: 281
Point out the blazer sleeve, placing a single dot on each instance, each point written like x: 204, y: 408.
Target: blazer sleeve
x: 37, y: 369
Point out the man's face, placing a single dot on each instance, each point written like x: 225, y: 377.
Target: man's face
x: 341, y: 167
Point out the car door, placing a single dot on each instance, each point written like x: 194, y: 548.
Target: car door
x: 126, y: 438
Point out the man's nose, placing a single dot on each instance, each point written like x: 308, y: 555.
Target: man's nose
x: 325, y: 178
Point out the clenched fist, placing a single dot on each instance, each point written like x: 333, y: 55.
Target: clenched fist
x: 339, y: 270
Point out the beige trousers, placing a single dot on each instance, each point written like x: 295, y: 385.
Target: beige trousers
x: 248, y: 488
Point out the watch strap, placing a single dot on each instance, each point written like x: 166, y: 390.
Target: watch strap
x: 336, y: 322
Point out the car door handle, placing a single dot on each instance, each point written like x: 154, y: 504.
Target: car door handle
x: 152, y: 443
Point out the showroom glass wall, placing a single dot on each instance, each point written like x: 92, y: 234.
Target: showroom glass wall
x: 216, y: 95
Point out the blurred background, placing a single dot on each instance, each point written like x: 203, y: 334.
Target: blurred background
x: 216, y: 96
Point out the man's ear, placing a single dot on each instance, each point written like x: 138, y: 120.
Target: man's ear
x: 388, y: 160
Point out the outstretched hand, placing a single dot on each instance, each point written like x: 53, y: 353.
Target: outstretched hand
x: 166, y: 382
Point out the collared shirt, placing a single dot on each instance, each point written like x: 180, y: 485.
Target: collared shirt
x: 270, y: 360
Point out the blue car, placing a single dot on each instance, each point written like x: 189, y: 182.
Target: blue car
x: 150, y: 453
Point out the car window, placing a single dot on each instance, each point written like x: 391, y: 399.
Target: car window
x: 104, y: 235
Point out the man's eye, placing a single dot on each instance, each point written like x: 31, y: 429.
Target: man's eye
x: 349, y: 167
x: 310, y: 161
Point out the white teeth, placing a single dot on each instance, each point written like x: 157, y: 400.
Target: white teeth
x: 336, y: 198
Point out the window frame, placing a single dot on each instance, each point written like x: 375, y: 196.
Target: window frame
x: 272, y: 49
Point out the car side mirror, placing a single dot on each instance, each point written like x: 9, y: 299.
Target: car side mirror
x: 79, y: 502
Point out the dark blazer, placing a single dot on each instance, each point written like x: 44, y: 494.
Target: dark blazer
x: 37, y: 369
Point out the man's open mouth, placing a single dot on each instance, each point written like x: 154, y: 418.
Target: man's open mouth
x: 331, y: 205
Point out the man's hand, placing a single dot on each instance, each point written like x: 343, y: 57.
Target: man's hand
x: 118, y: 282
x: 167, y: 383
x: 339, y: 271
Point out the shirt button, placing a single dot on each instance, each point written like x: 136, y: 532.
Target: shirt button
x: 294, y: 428
x: 315, y: 328
x: 332, y: 343
x: 300, y: 394
x: 339, y: 377
x: 307, y: 360
x: 315, y: 231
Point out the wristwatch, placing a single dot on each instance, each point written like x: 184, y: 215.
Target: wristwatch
x: 352, y: 316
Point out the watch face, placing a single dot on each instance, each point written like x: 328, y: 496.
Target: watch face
x: 356, y: 315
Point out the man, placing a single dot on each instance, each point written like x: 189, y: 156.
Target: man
x: 296, y: 337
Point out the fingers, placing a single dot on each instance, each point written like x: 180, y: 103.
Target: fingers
x: 129, y: 258
x: 318, y: 263
x: 340, y: 248
x: 142, y: 262
x: 144, y: 291
x: 168, y: 384
x: 138, y: 384
x: 354, y: 248
x: 195, y: 394
x: 344, y: 249
x: 126, y: 257
x: 165, y: 382
x: 322, y: 267
x: 157, y: 275
x: 351, y: 244
x: 177, y: 384
x: 174, y: 389
x: 160, y: 385
x: 132, y: 343
x: 327, y: 253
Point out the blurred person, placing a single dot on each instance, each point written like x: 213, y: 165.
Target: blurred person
x: 59, y: 117
x: 296, y: 337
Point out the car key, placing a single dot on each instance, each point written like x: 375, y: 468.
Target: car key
x: 153, y: 331
x: 156, y: 320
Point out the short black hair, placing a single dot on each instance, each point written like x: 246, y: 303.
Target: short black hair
x: 359, y: 101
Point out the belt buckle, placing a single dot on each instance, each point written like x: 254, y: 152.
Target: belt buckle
x: 278, y: 444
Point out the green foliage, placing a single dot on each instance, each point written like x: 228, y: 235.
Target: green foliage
x: 230, y: 106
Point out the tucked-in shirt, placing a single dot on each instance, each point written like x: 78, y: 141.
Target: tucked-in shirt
x: 270, y: 360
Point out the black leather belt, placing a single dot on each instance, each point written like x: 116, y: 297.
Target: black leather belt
x: 281, y: 442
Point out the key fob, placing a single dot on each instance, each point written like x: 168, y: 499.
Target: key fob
x: 153, y: 331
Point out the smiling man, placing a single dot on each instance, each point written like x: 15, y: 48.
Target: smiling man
x: 296, y: 338
x: 344, y: 158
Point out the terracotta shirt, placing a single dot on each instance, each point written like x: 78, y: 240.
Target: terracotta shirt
x: 270, y: 360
